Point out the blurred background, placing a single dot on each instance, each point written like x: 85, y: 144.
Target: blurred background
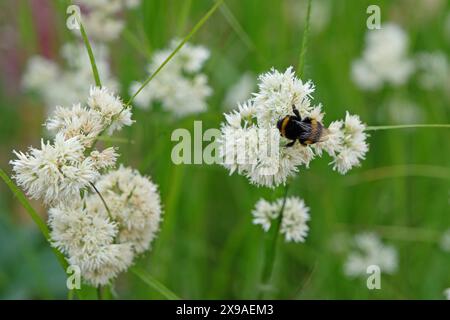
x: 208, y: 247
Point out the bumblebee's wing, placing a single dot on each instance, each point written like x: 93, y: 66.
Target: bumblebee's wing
x: 305, y: 130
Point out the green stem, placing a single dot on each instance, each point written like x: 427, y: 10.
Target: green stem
x: 99, y: 293
x: 271, y: 248
x: 115, y: 139
x: 87, y: 44
x: 183, y: 42
x: 407, y: 170
x: 301, y: 61
x: 153, y: 283
x: 103, y: 200
x: 406, y: 126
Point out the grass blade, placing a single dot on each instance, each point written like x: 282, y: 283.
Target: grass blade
x: 301, y: 61
x: 182, y: 43
x: 237, y: 27
x: 153, y: 283
x: 270, y: 248
x: 87, y: 44
x: 407, y: 126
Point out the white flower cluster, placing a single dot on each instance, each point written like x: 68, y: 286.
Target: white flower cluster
x: 251, y: 144
x: 102, y: 17
x: 384, y: 59
x: 103, y: 243
x: 369, y: 250
x: 351, y: 141
x: 181, y: 89
x: 99, y: 217
x: 434, y: 70
x: 294, y: 220
x: 61, y: 169
x: 63, y: 85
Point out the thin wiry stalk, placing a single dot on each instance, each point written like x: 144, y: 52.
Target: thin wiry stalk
x: 99, y: 293
x: 103, y: 200
x: 87, y: 44
x: 271, y: 247
x: 407, y: 170
x: 301, y: 61
x: 406, y: 126
x: 174, y: 52
x: 115, y: 140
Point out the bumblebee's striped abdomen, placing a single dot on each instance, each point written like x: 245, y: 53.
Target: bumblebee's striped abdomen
x: 316, y: 131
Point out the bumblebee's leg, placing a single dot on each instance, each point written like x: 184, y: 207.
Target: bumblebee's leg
x: 290, y: 144
x: 297, y: 114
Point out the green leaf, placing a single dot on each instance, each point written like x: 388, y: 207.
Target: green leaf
x: 87, y: 44
x: 153, y: 283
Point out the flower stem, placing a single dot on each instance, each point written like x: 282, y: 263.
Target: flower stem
x: 406, y: 126
x: 103, y: 200
x: 99, y: 293
x: 301, y: 61
x: 271, y: 248
x: 182, y: 43
x: 87, y: 44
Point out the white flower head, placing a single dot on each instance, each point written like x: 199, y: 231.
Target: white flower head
x: 64, y: 86
x: 74, y: 228
x: 353, y: 146
x: 263, y: 213
x: 104, y: 159
x: 293, y: 226
x: 39, y: 73
x: 181, y: 88
x: 84, y: 123
x: 384, y: 59
x: 103, y: 239
x: 56, y: 172
x: 113, y: 112
x: 250, y: 141
x: 135, y: 204
x: 277, y: 93
x: 251, y: 144
x: 105, y: 264
x: 102, y: 17
x: 369, y: 250
x: 87, y: 238
x: 433, y: 70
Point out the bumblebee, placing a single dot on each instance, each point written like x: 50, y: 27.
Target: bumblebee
x: 306, y: 131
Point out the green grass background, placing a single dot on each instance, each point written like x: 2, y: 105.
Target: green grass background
x: 208, y: 247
